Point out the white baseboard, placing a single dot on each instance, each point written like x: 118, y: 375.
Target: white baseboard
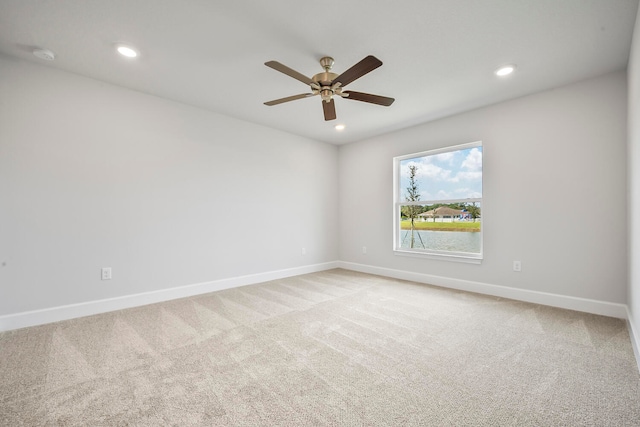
x: 56, y: 314
x: 554, y: 300
x: 634, y: 335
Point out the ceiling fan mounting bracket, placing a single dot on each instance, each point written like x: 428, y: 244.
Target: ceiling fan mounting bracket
x: 327, y: 62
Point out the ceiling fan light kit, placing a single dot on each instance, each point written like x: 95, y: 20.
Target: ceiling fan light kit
x: 328, y: 84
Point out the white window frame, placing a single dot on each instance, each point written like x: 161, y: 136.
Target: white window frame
x: 398, y: 202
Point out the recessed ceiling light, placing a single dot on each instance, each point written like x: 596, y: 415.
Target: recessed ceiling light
x: 340, y: 127
x: 505, y: 71
x: 45, y: 54
x: 127, y: 51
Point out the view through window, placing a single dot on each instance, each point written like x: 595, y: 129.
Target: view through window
x: 438, y: 202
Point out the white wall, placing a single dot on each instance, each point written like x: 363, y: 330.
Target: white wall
x: 93, y: 175
x: 169, y: 195
x: 554, y: 192
x: 634, y: 187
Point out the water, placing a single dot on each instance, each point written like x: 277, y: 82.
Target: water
x: 456, y: 241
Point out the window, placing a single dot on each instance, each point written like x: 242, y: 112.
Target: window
x: 438, y: 203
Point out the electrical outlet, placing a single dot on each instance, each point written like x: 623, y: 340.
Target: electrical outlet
x: 517, y: 266
x: 106, y: 273
x: 304, y: 251
x: 364, y: 249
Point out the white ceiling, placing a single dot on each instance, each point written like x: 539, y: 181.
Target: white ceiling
x: 439, y: 55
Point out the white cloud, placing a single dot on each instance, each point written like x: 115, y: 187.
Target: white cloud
x: 426, y: 170
x: 442, y: 195
x: 473, y: 162
x: 445, y: 157
x: 468, y: 176
x: 435, y: 172
x: 425, y: 195
x: 467, y: 193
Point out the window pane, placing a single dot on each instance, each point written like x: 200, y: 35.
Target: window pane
x: 451, y: 227
x: 451, y: 175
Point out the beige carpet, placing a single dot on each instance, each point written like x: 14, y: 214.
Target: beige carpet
x: 331, y: 348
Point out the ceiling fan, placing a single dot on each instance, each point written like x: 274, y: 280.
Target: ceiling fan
x: 328, y: 84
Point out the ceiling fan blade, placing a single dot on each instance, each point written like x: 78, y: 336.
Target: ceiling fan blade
x: 329, y: 110
x: 367, y: 97
x: 289, y: 72
x: 289, y: 98
x: 363, y: 67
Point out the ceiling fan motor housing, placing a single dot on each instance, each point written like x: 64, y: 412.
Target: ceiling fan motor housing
x: 324, y: 81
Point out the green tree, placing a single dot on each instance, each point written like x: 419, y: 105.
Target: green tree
x: 413, y: 195
x: 473, y: 210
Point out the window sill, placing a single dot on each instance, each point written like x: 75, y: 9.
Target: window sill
x: 467, y: 259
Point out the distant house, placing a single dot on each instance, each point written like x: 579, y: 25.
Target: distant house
x: 444, y: 214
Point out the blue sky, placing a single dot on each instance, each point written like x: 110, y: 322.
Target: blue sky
x: 451, y: 175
